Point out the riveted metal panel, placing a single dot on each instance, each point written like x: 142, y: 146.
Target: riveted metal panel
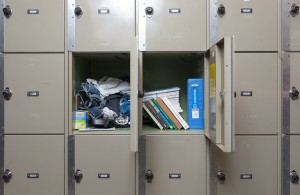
x: 178, y: 164
x: 36, y: 163
x: 255, y: 162
x: 34, y: 26
x: 36, y: 82
x: 105, y: 25
x: 1, y: 163
x: 174, y: 25
x: 71, y: 164
x: 106, y: 163
x: 256, y: 93
x: 294, y: 164
x: 247, y: 21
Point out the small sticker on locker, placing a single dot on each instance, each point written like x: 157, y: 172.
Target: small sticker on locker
x: 246, y: 10
x: 103, y: 175
x: 246, y: 176
x: 174, y: 176
x: 195, y: 113
x: 33, y: 175
x: 33, y: 11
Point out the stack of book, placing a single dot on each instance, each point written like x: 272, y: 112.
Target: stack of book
x: 164, y: 114
x: 171, y: 93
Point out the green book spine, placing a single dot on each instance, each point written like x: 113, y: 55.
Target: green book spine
x: 172, y: 125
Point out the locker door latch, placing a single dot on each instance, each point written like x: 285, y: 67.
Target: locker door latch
x: 221, y: 176
x: 294, y: 10
x: 294, y: 93
x: 7, y: 175
x: 221, y: 10
x: 7, y: 11
x: 78, y: 176
x: 7, y: 93
x: 149, y: 176
x: 294, y: 177
x: 149, y: 11
x: 78, y: 11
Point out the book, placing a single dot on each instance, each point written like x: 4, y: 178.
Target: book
x: 156, y: 115
x: 152, y: 116
x: 176, y: 114
x: 195, y: 103
x: 172, y: 125
x: 151, y: 102
x: 169, y: 113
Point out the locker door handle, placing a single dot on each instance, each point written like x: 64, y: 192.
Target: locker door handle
x: 149, y: 11
x: 294, y: 10
x: 78, y: 176
x: 78, y: 11
x: 7, y: 175
x: 7, y: 11
x: 7, y: 93
x: 149, y: 176
x: 221, y: 10
x: 294, y: 93
x: 221, y: 176
x: 294, y: 177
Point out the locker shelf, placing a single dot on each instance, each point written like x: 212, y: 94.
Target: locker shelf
x: 97, y: 66
x: 172, y: 69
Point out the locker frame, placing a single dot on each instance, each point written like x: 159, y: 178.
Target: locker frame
x: 1, y: 163
x: 213, y: 22
x: 2, y: 86
x: 71, y: 25
x: 1, y: 28
x: 71, y: 164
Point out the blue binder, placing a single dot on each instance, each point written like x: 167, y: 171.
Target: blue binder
x: 195, y: 94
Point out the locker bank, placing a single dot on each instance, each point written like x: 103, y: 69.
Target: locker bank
x: 57, y: 55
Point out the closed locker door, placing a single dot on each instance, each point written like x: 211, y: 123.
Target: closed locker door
x: 33, y: 26
x: 35, y: 87
x: 256, y: 93
x: 294, y: 59
x: 254, y: 23
x: 294, y: 164
x: 294, y: 20
x: 101, y: 25
x: 251, y: 169
x: 172, y: 25
x: 177, y: 164
x: 105, y: 163
x: 33, y: 164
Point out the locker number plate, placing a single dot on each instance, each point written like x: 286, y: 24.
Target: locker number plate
x: 33, y: 93
x: 103, y: 175
x: 33, y: 11
x: 246, y: 176
x: 246, y: 10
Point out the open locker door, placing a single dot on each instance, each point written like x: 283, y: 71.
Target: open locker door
x: 220, y: 94
x: 134, y: 122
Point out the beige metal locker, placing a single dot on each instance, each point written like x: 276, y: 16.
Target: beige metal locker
x: 33, y: 26
x: 256, y: 93
x: 294, y: 59
x: 293, y: 18
x: 251, y: 169
x: 177, y: 164
x: 33, y: 164
x: 33, y: 93
x: 172, y: 25
x: 103, y: 164
x: 100, y: 25
x: 253, y: 23
x: 294, y: 164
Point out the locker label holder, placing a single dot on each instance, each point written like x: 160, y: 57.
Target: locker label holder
x: 33, y: 11
x: 246, y: 176
x: 246, y: 93
x: 174, y: 10
x: 33, y: 175
x: 246, y: 10
x: 103, y: 11
x: 33, y: 93
x: 103, y: 175
x: 174, y: 176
